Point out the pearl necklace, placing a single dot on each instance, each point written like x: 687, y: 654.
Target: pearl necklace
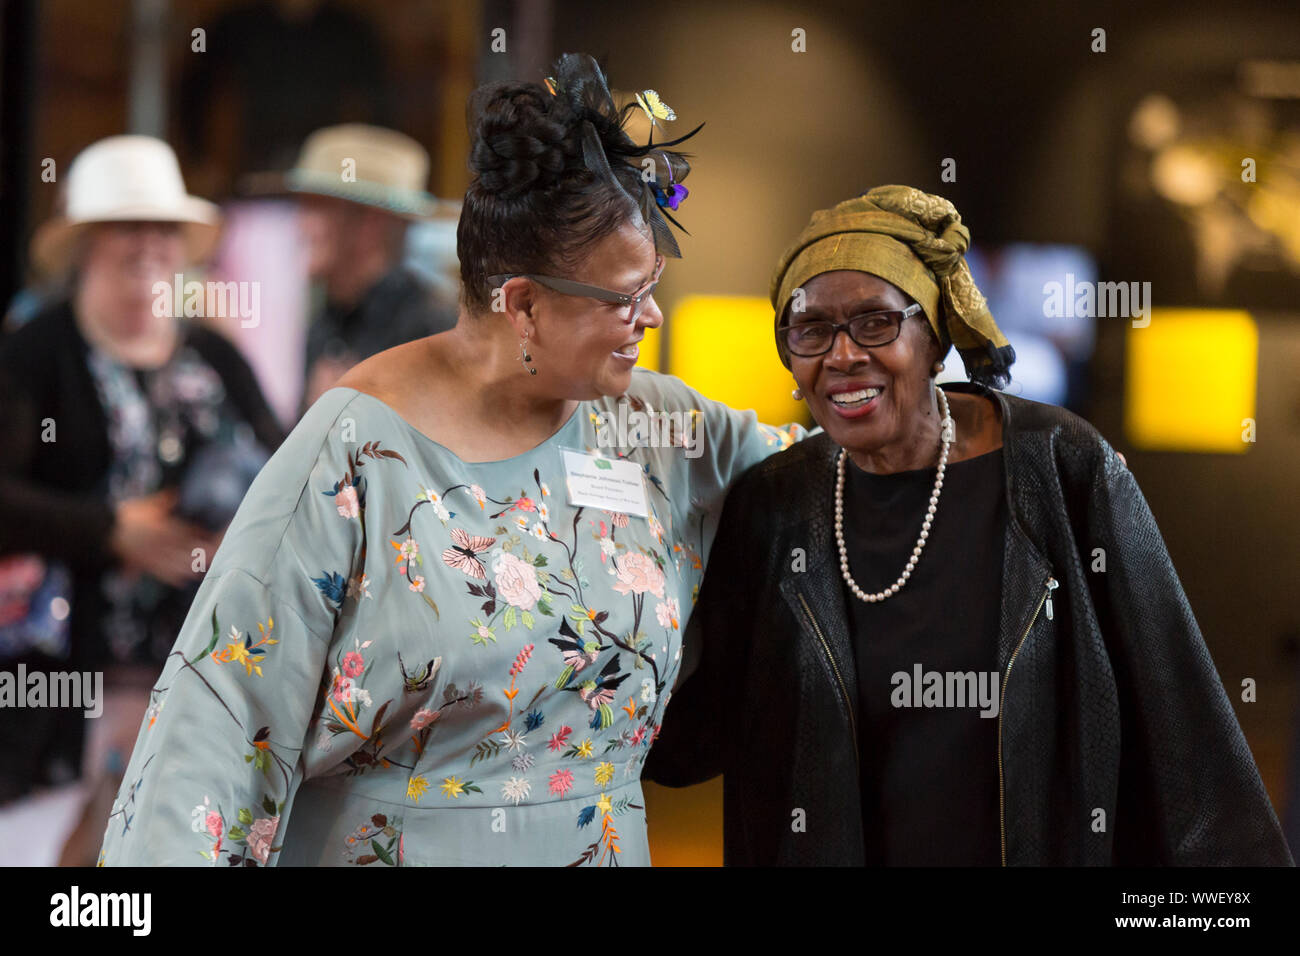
x: 947, y: 437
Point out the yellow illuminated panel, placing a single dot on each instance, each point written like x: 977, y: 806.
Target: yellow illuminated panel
x: 723, y: 347
x: 651, y: 344
x: 1190, y: 380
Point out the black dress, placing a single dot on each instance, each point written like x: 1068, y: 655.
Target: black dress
x: 929, y: 774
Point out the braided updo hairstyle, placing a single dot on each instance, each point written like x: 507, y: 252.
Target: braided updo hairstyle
x: 533, y: 205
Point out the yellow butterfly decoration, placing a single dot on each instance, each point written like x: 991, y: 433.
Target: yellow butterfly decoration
x: 654, y: 107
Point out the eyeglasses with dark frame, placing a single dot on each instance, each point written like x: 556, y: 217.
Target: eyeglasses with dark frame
x: 568, y: 287
x: 869, y: 330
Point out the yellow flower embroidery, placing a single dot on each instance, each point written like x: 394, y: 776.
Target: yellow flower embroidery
x: 415, y: 788
x: 604, y: 773
x: 584, y: 749
x: 603, y: 803
x: 452, y: 787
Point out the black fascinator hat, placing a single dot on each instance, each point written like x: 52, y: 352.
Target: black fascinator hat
x: 580, y: 84
x: 555, y: 170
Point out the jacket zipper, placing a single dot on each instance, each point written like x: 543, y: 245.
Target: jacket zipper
x: 1049, y: 586
x: 844, y: 691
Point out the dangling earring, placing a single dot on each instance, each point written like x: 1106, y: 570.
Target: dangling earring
x: 525, y: 358
x: 796, y: 394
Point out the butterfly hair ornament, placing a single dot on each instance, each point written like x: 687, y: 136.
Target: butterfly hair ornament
x: 580, y: 84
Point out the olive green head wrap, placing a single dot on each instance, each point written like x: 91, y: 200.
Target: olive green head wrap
x: 917, y: 242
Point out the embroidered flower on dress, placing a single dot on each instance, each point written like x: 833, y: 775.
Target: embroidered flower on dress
x: 423, y: 718
x: 561, y: 782
x: 259, y: 837
x: 560, y: 739
x: 348, y: 505
x: 648, y: 691
x: 354, y: 665
x: 666, y: 613
x: 418, y: 584
x: 522, y: 762
x: 516, y: 581
x: 604, y: 773
x: 416, y: 786
x: 637, y: 574
x: 513, y: 740
x: 516, y: 789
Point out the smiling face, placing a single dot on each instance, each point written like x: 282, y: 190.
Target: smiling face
x: 878, y: 403
x: 583, y: 345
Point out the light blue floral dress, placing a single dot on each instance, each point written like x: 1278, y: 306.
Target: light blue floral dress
x: 401, y: 658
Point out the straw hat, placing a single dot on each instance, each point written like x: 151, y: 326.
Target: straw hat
x: 367, y: 165
x: 124, y: 179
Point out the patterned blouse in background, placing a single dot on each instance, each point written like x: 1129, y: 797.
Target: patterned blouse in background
x: 402, y: 658
x: 157, y: 420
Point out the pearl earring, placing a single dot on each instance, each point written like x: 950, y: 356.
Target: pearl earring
x: 938, y: 367
x: 525, y: 358
x: 796, y: 394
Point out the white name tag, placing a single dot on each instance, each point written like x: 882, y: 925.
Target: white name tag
x: 613, y: 484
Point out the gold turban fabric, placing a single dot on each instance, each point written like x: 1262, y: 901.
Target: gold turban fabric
x: 917, y: 242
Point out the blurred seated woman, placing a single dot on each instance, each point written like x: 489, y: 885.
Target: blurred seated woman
x: 130, y: 436
x: 910, y: 652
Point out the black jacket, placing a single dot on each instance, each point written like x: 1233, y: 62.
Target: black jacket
x: 1112, y: 704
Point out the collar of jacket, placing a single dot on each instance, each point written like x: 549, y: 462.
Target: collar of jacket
x: 816, y: 598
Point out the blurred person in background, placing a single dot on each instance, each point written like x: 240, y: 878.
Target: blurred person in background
x: 359, y: 188
x: 130, y: 436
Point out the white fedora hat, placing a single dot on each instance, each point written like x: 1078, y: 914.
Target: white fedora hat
x: 125, y: 179
x: 369, y: 165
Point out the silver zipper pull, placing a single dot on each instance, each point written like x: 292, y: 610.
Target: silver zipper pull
x: 1052, y: 585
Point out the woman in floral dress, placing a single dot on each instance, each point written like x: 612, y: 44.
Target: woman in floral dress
x: 445, y: 623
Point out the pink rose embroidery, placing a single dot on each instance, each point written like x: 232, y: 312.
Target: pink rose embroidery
x: 349, y: 507
x: 516, y: 581
x: 638, y: 574
x: 259, y: 837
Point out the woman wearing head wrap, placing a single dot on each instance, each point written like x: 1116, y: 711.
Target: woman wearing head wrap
x: 440, y: 630
x: 938, y: 670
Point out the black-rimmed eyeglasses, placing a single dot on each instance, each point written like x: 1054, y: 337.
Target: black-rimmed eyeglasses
x: 869, y: 330
x: 635, y: 300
